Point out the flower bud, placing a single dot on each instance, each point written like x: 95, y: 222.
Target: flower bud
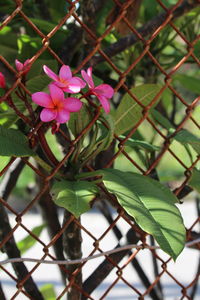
x: 2, y: 81
x: 25, y: 67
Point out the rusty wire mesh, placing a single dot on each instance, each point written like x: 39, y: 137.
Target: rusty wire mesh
x: 96, y: 54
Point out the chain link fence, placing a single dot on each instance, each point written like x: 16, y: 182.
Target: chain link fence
x: 127, y: 43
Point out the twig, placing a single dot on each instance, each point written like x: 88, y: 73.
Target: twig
x: 84, y: 259
x: 148, y: 29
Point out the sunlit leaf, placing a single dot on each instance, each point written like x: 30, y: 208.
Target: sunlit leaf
x: 75, y: 196
x: 152, y: 205
x: 129, y: 112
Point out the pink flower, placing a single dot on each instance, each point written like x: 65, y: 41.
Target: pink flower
x: 65, y: 80
x: 2, y: 81
x: 103, y: 91
x: 22, y: 66
x: 56, y: 107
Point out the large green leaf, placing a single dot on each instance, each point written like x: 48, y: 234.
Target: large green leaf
x: 14, y: 143
x: 75, y: 196
x: 129, y: 112
x: 152, y: 205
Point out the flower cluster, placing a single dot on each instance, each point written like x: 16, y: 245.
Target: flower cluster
x: 58, y: 107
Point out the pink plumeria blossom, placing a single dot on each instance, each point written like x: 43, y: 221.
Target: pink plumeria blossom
x: 65, y: 80
x: 56, y: 107
x: 103, y: 91
x: 25, y: 67
x: 2, y: 81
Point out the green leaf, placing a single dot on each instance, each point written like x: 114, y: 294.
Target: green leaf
x: 14, y: 143
x: 28, y: 242
x: 194, y: 181
x: 161, y: 119
x: 37, y: 67
x: 152, y: 205
x: 129, y: 112
x: 46, y: 27
x: 101, y: 17
x: 106, y: 134
x: 188, y: 82
x: 8, y: 118
x: 38, y: 83
x: 79, y: 120
x: 75, y: 196
x: 132, y: 143
x: 185, y: 137
x: 48, y: 292
x: 8, y: 43
x: 58, y: 9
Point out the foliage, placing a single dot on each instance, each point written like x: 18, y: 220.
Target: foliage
x: 91, y: 131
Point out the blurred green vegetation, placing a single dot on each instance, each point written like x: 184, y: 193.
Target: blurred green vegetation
x: 19, y: 40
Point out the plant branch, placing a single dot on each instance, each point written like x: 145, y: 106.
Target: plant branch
x: 104, y: 269
x: 11, y: 179
x: 2, y: 295
x: 12, y: 251
x: 135, y: 263
x: 147, y: 29
x: 50, y: 217
x: 72, y: 246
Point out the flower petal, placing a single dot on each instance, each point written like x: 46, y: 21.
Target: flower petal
x: 105, y: 103
x: 74, y: 85
x: 62, y: 116
x: 2, y: 81
x: 56, y: 93
x: 48, y: 115
x: 60, y: 84
x: 19, y: 66
x: 50, y: 73
x: 26, y: 62
x: 42, y: 99
x: 105, y: 90
x: 82, y: 83
x: 88, y: 78
x: 72, y: 104
x: 65, y: 73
